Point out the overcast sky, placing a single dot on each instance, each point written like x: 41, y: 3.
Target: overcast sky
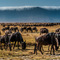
x: 29, y: 3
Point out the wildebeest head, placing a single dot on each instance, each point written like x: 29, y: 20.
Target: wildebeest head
x: 57, y: 48
x: 53, y: 37
x: 57, y: 30
x: 23, y: 45
x: 8, y: 32
x: 43, y: 30
x: 57, y: 44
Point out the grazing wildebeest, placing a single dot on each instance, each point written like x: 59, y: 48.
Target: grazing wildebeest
x: 5, y: 28
x: 17, y: 37
x: 3, y: 25
x: 29, y: 28
x: 14, y: 29
x: 43, y: 30
x: 5, y: 39
x: 8, y: 31
x: 34, y: 28
x: 57, y: 35
x: 11, y: 28
x: 22, y: 29
x: 48, y: 39
x: 57, y: 30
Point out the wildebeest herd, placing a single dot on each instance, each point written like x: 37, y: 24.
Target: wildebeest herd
x: 21, y: 29
x: 45, y: 38
x: 28, y: 28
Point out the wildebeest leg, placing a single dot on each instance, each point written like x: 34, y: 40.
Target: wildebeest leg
x: 40, y: 33
x: 18, y: 44
x: 14, y: 45
x: 1, y: 46
x: 27, y: 30
x: 35, y: 49
x: 52, y: 47
x: 48, y: 47
x: 53, y: 51
x: 36, y: 30
x: 6, y: 46
x: 40, y: 46
x: 31, y: 30
x: 10, y: 46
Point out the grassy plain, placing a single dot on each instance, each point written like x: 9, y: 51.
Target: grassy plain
x: 28, y: 54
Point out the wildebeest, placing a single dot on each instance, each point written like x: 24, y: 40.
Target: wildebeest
x: 5, y: 39
x: 34, y: 28
x: 57, y: 30
x: 8, y: 32
x: 29, y: 28
x: 5, y: 28
x: 22, y: 29
x: 48, y: 39
x: 17, y: 37
x: 57, y: 35
x: 3, y: 25
x: 14, y: 29
x: 43, y: 30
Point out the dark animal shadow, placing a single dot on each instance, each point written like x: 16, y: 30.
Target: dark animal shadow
x: 22, y: 50
x: 16, y: 49
x: 29, y: 49
x: 52, y: 54
x: 57, y: 54
x: 58, y: 51
x: 31, y: 53
x: 45, y: 51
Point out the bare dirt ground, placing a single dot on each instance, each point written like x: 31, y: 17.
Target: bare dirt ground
x: 28, y: 54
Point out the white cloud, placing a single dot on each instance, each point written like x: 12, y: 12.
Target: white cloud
x: 51, y: 7
x: 22, y: 7
x: 16, y: 7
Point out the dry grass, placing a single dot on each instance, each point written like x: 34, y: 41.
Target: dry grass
x: 28, y: 53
